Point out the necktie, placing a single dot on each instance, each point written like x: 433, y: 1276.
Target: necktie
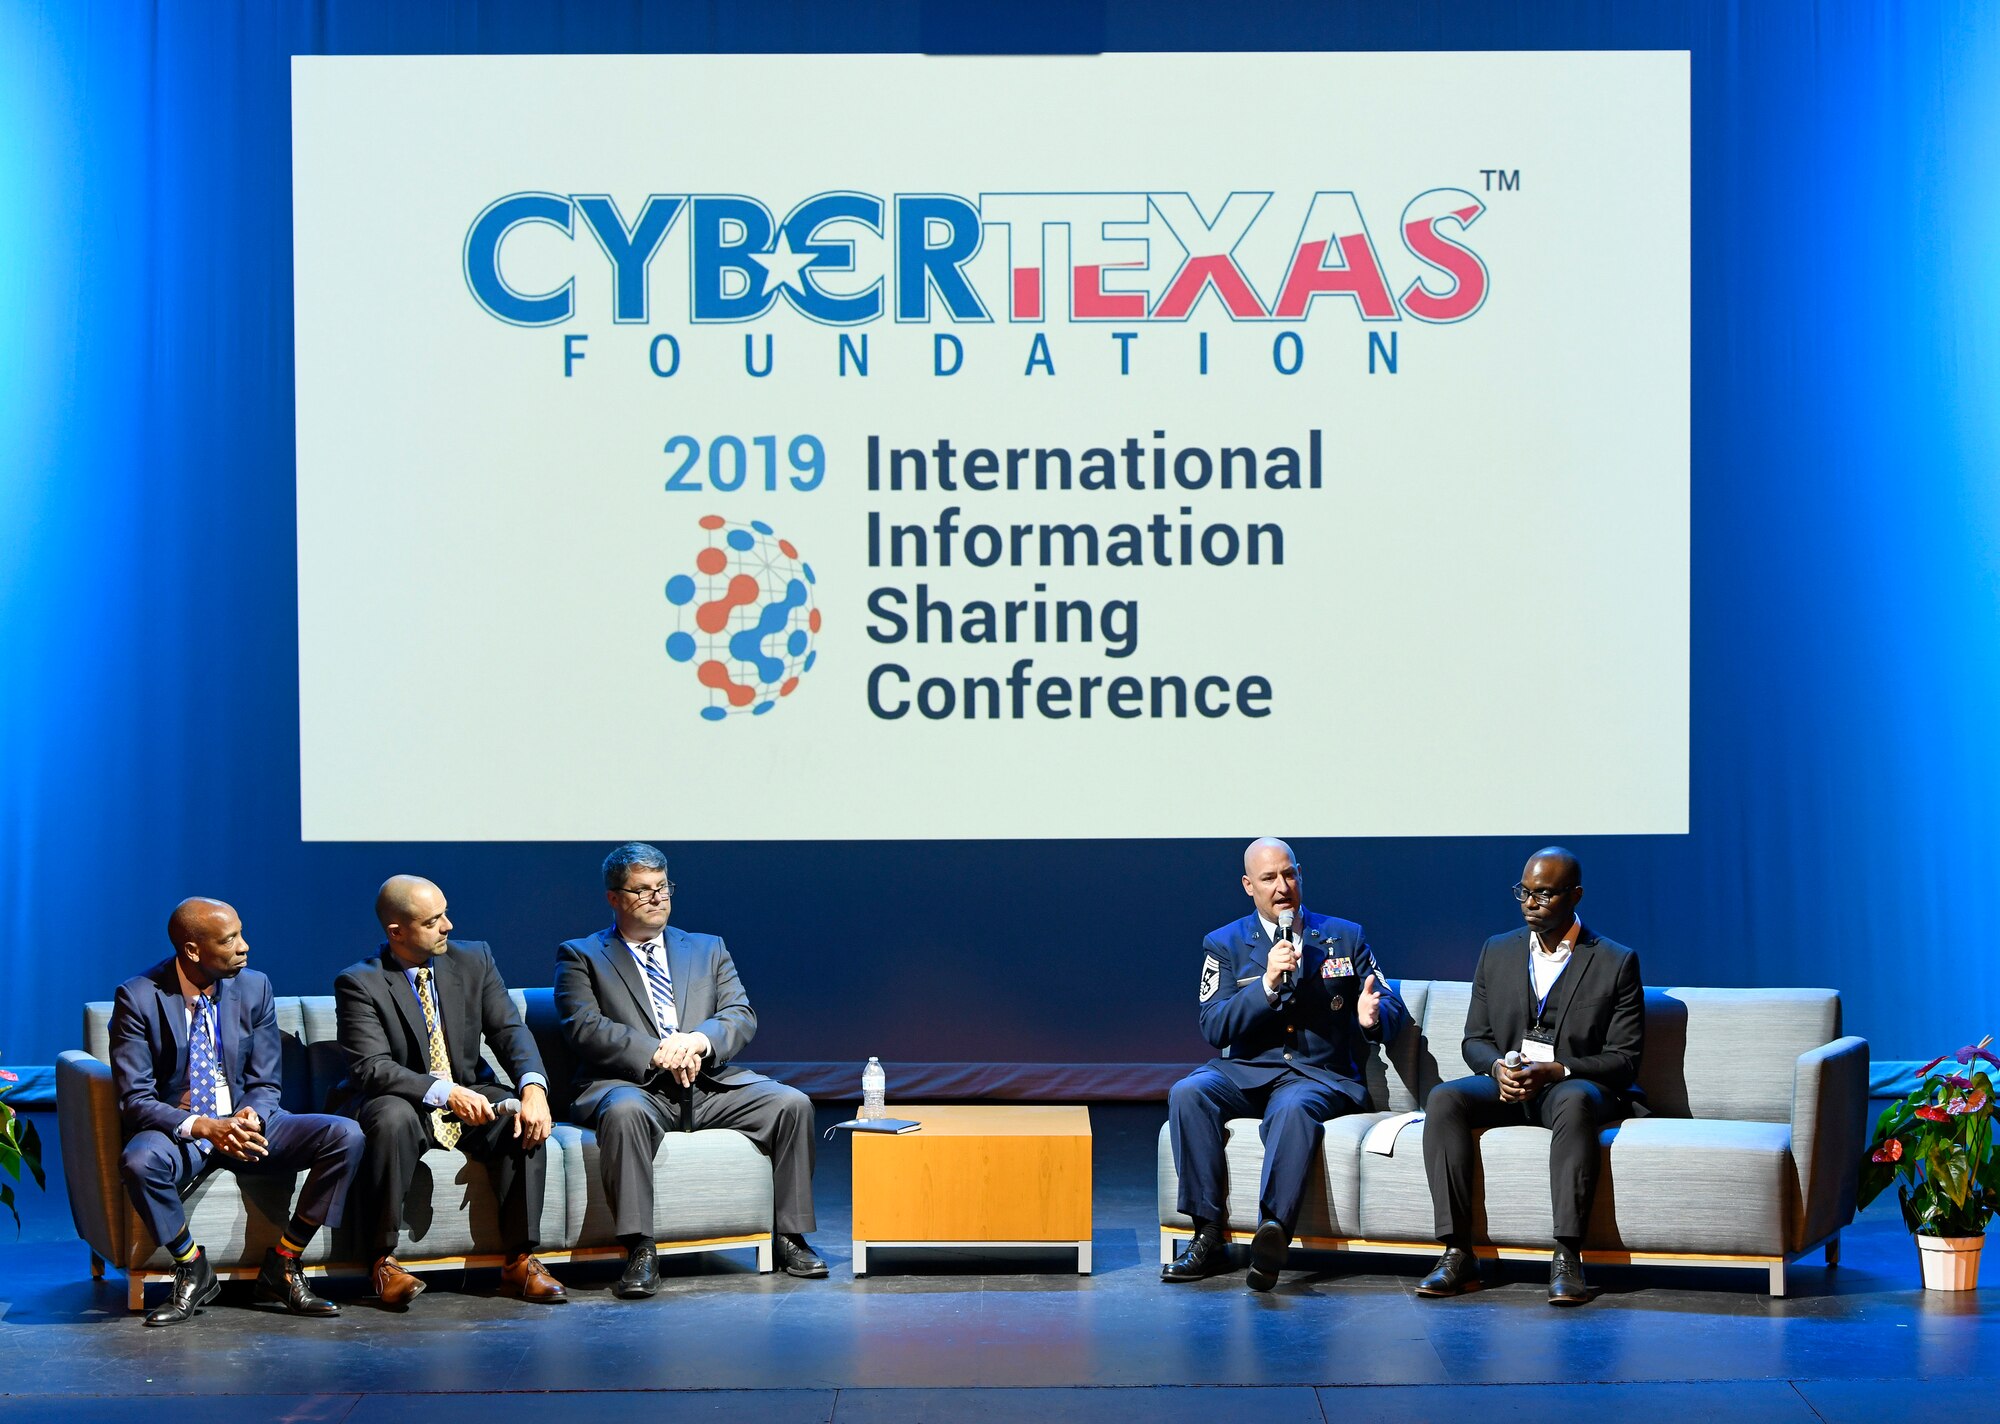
x: 444, y: 1128
x: 662, y: 987
x: 202, y: 1063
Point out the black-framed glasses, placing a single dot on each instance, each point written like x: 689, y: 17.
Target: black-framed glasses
x: 652, y: 894
x: 1540, y: 897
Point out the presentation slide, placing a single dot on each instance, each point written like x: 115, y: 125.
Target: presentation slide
x: 901, y: 447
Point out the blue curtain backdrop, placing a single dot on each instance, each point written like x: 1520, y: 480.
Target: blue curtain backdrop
x: 1846, y: 392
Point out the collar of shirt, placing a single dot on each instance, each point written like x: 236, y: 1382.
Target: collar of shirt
x: 1563, y: 945
x: 1271, y: 926
x: 644, y: 947
x: 188, y: 991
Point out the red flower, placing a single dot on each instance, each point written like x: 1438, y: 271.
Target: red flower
x: 1966, y: 1055
x: 1932, y: 1064
x: 10, y: 1077
x: 1958, y: 1081
x: 1931, y: 1114
x: 1890, y: 1151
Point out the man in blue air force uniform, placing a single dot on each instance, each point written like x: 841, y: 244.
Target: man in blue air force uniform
x: 1292, y: 1051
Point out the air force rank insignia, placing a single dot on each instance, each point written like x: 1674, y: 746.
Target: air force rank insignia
x: 1211, y: 978
x: 1336, y: 969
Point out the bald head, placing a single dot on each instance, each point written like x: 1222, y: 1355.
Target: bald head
x: 398, y: 897
x: 1560, y: 862
x: 1271, y: 877
x: 412, y: 912
x: 1263, y: 844
x: 208, y: 940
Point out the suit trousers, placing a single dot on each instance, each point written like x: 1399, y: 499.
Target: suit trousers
x: 158, y: 1168
x: 399, y: 1132
x: 1294, y: 1109
x: 632, y: 1120
x: 1571, y: 1110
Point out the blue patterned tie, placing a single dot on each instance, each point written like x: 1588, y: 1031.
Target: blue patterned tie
x: 202, y: 1064
x: 663, y: 987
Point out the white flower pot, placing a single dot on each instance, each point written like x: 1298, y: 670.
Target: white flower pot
x: 1950, y: 1262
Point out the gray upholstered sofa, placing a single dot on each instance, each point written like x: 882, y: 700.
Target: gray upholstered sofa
x: 1749, y: 1155
x: 712, y: 1190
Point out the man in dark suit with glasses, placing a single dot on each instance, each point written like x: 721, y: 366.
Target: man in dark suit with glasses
x: 654, y: 1015
x: 1555, y: 1029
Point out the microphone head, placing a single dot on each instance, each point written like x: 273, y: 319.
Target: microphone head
x: 1285, y: 922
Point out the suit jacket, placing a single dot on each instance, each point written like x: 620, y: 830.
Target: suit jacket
x: 149, y: 1047
x: 1597, y: 1007
x: 1313, y: 1029
x: 608, y: 1020
x: 381, y: 1024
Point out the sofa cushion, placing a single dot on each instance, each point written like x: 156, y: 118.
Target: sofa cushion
x: 1666, y: 1184
x: 705, y: 1184
x: 1332, y: 1200
x: 1393, y: 1072
x: 236, y: 1219
x: 452, y: 1211
x: 1731, y: 1053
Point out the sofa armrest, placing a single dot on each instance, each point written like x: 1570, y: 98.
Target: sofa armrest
x: 87, y: 1119
x: 1829, y: 1130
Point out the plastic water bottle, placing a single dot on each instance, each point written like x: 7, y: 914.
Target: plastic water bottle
x: 874, y: 1090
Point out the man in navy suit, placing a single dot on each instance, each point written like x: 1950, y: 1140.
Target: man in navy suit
x: 1572, y: 1006
x: 1295, y: 1011
x: 654, y: 1016
x: 195, y: 1060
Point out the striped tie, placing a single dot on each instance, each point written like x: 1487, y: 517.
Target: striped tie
x: 202, y: 1098
x: 445, y: 1128
x: 662, y: 987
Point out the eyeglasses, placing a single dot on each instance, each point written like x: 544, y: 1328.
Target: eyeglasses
x: 652, y: 895
x: 1540, y: 897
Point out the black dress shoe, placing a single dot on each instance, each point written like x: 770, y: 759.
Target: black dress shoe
x: 795, y: 1257
x: 195, y: 1285
x: 1566, y: 1283
x: 1206, y: 1255
x: 1267, y: 1255
x: 283, y: 1279
x: 642, y: 1273
x: 1457, y: 1271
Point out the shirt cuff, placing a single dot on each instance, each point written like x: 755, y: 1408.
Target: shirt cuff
x: 438, y: 1093
x: 185, y: 1132
x: 534, y: 1080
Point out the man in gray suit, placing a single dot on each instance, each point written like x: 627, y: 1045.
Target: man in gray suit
x: 654, y: 1016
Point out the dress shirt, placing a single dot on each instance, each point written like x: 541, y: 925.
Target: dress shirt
x: 185, y: 1132
x: 641, y: 951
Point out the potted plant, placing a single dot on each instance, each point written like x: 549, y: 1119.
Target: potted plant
x: 20, y: 1146
x: 1936, y: 1145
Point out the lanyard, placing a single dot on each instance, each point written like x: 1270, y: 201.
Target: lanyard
x: 1542, y: 1003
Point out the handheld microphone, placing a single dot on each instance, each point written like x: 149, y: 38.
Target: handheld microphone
x: 1285, y: 932
x: 510, y: 1105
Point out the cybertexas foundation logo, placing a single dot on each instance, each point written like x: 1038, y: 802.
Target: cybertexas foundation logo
x: 747, y: 619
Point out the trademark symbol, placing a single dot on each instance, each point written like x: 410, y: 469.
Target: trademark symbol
x: 1501, y: 180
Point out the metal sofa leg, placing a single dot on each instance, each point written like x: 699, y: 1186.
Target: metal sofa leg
x: 764, y: 1256
x: 1166, y: 1249
x: 1777, y: 1278
x: 96, y: 1266
x: 135, y: 1291
x: 1833, y: 1249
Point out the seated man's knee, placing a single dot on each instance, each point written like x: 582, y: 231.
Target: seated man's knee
x: 387, y: 1116
x: 145, y: 1160
x: 1189, y: 1095
x: 624, y: 1115
x: 1446, y: 1101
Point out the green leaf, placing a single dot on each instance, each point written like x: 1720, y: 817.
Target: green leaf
x: 7, y: 1200
x: 1954, y: 1176
x: 10, y: 1160
x: 31, y: 1148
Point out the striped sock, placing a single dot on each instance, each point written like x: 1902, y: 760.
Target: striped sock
x: 182, y: 1247
x: 298, y: 1235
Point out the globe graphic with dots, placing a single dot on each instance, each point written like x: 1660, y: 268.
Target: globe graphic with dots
x: 747, y: 618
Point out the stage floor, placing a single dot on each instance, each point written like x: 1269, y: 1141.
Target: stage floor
x: 943, y: 1336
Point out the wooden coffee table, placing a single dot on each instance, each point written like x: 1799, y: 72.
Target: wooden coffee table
x: 984, y: 1174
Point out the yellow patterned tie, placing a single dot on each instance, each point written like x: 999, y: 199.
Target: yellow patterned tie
x: 445, y: 1129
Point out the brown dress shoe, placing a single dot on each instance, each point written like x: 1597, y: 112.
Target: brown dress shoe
x: 529, y: 1279
x: 396, y: 1286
